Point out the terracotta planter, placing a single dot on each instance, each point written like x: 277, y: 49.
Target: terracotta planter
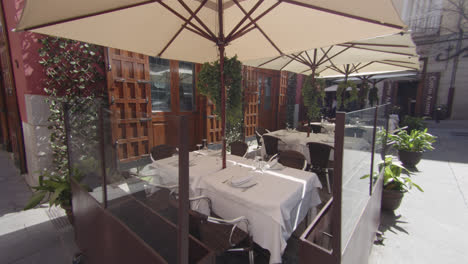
x: 391, y: 199
x: 409, y: 159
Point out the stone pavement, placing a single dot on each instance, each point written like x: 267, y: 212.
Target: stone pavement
x: 37, y: 236
x: 431, y: 226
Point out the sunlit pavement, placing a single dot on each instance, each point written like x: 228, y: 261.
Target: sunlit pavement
x: 431, y: 226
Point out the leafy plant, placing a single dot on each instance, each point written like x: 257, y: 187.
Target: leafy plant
x: 341, y: 100
x: 208, y: 84
x: 313, y: 95
x: 55, y: 189
x: 395, y: 176
x: 393, y: 179
x: 416, y: 141
x: 413, y: 123
x: 363, y: 94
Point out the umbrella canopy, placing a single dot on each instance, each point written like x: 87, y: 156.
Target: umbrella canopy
x: 190, y: 29
x: 202, y: 30
x: 377, y: 55
x: 334, y: 87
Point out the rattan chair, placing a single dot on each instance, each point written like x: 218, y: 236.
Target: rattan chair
x: 319, y: 159
x: 316, y: 128
x: 239, y: 148
x: 162, y: 152
x: 271, y: 146
x: 292, y: 159
x: 302, y: 128
x: 259, y: 133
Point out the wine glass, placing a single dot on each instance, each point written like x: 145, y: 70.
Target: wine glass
x: 199, y: 146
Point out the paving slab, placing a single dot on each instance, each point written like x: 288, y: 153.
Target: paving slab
x: 430, y: 226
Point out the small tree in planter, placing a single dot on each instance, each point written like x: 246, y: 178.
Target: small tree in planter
x: 396, y: 182
x: 411, y: 146
x: 208, y: 84
x: 313, y: 95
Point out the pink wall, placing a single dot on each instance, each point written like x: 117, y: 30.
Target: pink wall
x: 27, y: 71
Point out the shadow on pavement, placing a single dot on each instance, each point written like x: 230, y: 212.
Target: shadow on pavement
x: 390, y: 222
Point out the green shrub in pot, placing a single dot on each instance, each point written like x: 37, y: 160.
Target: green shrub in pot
x: 413, y: 123
x: 411, y: 146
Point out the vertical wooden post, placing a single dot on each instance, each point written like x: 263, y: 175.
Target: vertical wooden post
x: 184, y: 206
x: 221, y: 79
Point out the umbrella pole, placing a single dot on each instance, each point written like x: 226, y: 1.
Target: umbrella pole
x: 223, y: 102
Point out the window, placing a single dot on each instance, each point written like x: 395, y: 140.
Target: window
x: 186, y: 86
x: 160, y: 74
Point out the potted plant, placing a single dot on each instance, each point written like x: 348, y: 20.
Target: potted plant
x: 413, y: 123
x: 56, y: 190
x: 411, y: 146
x: 396, y: 181
x: 395, y: 184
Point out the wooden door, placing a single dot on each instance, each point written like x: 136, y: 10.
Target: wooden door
x: 250, y: 100
x: 129, y: 99
x: 10, y: 120
x: 282, y: 100
x: 4, y: 135
x: 268, y: 84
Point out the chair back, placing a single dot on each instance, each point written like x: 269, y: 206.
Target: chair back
x: 302, y: 128
x: 163, y: 151
x: 319, y: 154
x: 259, y: 133
x: 292, y: 159
x: 316, y: 128
x: 270, y: 144
x: 238, y: 148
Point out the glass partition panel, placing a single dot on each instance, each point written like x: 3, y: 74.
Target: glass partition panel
x: 357, y: 156
x: 82, y: 122
x: 138, y: 190
x: 380, y: 139
x: 160, y: 74
x: 186, y: 86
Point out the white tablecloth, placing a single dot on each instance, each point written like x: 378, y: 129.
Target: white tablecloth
x: 297, y: 141
x: 274, y: 207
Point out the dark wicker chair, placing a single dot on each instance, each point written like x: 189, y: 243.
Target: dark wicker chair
x: 271, y: 146
x: 302, y: 128
x: 259, y: 133
x: 319, y: 159
x: 316, y: 128
x: 292, y: 159
x: 162, y: 152
x: 239, y: 148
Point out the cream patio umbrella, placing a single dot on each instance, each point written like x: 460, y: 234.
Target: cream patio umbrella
x: 202, y: 30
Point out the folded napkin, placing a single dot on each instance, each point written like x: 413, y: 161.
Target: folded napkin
x: 275, y: 165
x: 241, y: 179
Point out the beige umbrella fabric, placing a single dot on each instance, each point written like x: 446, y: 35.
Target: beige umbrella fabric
x: 382, y: 54
x: 148, y: 26
x: 202, y: 30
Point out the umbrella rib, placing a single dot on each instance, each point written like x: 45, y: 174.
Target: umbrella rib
x: 268, y: 61
x: 182, y: 28
x: 87, y: 15
x: 398, y: 61
x: 334, y: 55
x: 324, y: 55
x: 378, y: 45
x: 240, y: 32
x: 392, y: 64
x: 200, y: 31
x: 298, y: 59
x: 244, y: 18
x: 310, y: 60
x: 334, y: 12
x: 376, y: 50
x: 259, y: 29
x: 284, y: 66
x: 197, y: 19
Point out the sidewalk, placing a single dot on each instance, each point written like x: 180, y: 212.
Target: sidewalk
x: 37, y: 236
x: 431, y: 226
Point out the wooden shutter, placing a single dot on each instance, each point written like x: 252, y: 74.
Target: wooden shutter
x: 250, y: 100
x: 213, y: 125
x: 129, y: 92
x: 282, y: 103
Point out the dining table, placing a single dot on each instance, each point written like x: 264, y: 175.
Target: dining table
x: 290, y: 139
x: 278, y: 199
